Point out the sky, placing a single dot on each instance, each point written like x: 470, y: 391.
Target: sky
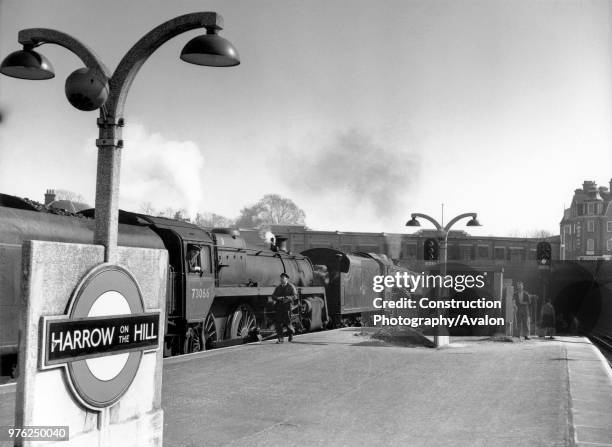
x: 360, y: 111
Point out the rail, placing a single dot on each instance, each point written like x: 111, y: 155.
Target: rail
x: 604, y: 343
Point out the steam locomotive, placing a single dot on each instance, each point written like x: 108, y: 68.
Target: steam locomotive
x: 219, y: 286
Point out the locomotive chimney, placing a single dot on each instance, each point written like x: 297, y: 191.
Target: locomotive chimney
x: 49, y: 196
x: 281, y: 243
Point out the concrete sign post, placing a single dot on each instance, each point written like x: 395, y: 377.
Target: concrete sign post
x: 90, y: 352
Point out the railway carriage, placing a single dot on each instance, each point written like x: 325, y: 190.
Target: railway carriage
x: 22, y: 220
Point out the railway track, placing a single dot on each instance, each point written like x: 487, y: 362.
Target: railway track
x: 604, y: 343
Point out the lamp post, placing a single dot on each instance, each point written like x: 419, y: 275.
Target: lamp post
x: 93, y: 87
x: 440, y: 338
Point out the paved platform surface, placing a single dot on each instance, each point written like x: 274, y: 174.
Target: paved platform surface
x: 336, y: 388
x: 339, y: 388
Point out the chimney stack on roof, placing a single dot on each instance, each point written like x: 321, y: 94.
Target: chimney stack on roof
x: 49, y: 196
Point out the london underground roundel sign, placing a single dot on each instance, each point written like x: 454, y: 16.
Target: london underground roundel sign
x: 102, y: 338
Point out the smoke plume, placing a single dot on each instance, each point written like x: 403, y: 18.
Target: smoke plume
x: 163, y: 172
x: 354, y: 166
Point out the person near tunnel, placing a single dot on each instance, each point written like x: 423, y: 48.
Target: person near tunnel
x: 547, y: 319
x: 523, y: 314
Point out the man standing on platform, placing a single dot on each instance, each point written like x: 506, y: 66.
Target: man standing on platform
x: 523, y: 312
x: 284, y: 294
x: 547, y: 319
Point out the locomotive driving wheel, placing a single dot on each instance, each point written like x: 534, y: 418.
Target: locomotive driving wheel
x: 210, y: 331
x: 193, y: 342
x: 241, y: 322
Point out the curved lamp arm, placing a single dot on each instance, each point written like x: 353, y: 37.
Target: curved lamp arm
x: 459, y: 217
x: 111, y: 120
x: 429, y: 218
x: 121, y: 80
x: 34, y: 37
x: 129, y: 66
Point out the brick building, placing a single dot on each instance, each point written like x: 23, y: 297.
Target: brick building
x: 408, y: 249
x: 586, y: 227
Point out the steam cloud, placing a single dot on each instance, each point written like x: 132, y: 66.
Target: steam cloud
x: 353, y: 163
x: 164, y: 172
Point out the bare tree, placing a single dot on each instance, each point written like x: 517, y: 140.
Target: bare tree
x: 168, y: 212
x: 541, y: 234
x: 65, y: 194
x: 212, y: 220
x: 209, y: 220
x: 271, y: 209
x: 181, y: 215
x: 536, y: 234
x: 147, y: 208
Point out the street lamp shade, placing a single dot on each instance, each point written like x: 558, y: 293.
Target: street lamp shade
x: 211, y: 50
x: 413, y: 223
x: 27, y: 64
x: 473, y: 223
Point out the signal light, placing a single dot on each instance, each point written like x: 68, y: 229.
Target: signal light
x: 543, y: 253
x: 430, y: 250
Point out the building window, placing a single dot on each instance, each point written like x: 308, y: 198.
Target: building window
x: 609, y: 244
x: 568, y: 229
x: 483, y: 251
x: 590, y: 209
x: 411, y: 251
x: 590, y: 244
x: 453, y: 252
x: 590, y: 225
x: 467, y: 252
x: 599, y: 208
x: 516, y: 255
x: 609, y: 225
x: 500, y: 253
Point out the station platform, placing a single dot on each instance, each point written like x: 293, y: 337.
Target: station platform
x: 342, y: 387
